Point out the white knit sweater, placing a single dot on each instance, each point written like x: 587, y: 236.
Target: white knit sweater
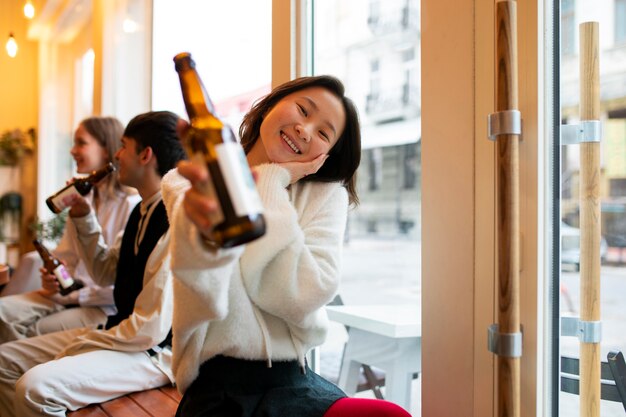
x: 264, y: 300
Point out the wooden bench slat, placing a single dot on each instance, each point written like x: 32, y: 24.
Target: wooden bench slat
x: 172, y: 392
x: 158, y: 402
x: 91, y: 411
x: 122, y: 407
x: 155, y: 402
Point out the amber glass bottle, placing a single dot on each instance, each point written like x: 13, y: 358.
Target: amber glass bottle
x: 239, y: 218
x: 52, y: 264
x: 82, y: 186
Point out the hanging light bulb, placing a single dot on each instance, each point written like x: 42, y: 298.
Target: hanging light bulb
x: 29, y: 9
x: 11, y: 46
x: 129, y: 25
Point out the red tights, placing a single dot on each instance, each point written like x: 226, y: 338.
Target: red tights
x: 365, y: 407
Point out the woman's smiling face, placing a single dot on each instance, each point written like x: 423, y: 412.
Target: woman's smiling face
x: 302, y: 126
x: 87, y: 152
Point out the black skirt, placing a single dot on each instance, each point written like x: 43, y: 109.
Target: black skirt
x: 229, y: 387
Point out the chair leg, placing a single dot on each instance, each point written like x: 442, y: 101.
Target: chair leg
x: 372, y: 381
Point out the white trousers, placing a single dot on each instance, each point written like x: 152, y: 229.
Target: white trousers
x: 30, y: 314
x: 32, y: 383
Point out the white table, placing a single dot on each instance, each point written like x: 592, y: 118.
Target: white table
x: 384, y: 336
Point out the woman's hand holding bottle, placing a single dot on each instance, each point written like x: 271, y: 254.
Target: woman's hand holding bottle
x: 50, y: 287
x: 49, y: 283
x: 77, y: 187
x: 79, y: 207
x: 197, y: 205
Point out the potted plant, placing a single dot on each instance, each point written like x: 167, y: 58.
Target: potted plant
x: 14, y: 144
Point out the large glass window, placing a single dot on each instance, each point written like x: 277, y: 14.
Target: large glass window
x: 374, y: 50
x: 126, y: 58
x: 232, y: 51
x: 83, y: 98
x: 612, y: 189
x: 568, y: 27
x: 620, y: 18
x: 383, y: 39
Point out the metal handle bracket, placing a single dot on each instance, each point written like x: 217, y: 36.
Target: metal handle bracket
x: 504, y: 344
x: 506, y: 122
x: 586, y: 331
x: 585, y: 131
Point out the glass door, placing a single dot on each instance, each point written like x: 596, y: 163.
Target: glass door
x: 611, y: 18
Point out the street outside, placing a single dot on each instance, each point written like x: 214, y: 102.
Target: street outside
x: 388, y: 272
x: 613, y: 317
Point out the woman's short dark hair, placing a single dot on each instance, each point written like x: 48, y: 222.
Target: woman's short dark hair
x: 157, y: 129
x: 344, y: 158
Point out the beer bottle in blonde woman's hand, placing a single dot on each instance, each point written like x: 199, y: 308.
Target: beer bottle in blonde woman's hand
x: 81, y: 186
x: 67, y: 284
x: 239, y: 217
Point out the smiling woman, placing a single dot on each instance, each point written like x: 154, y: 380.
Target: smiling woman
x: 296, y: 130
x: 314, y: 132
x: 276, y: 286
x: 292, y: 113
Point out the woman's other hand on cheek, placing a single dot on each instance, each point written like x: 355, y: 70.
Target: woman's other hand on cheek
x: 299, y: 170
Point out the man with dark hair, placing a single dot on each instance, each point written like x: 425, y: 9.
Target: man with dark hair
x: 67, y: 370
x: 158, y: 131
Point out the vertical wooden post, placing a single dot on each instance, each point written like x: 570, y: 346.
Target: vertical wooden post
x: 508, y: 247
x: 589, y: 219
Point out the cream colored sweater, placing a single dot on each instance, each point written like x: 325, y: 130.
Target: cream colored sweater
x: 264, y: 300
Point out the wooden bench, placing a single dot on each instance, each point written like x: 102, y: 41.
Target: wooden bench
x: 158, y: 402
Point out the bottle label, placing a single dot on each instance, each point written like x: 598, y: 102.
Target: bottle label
x: 64, y: 278
x: 61, y: 200
x: 216, y: 217
x: 238, y: 178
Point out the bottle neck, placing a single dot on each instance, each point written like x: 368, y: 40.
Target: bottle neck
x: 98, y: 175
x: 43, y: 251
x: 197, y: 101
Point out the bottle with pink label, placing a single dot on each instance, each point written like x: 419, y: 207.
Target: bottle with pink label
x: 53, y: 265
